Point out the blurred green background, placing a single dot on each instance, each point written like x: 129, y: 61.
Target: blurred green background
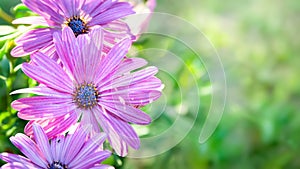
x: 258, y: 44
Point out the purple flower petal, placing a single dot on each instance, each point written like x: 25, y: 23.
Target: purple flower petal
x: 42, y: 142
x: 45, y: 8
x: 32, y: 41
x: 71, y: 8
x: 73, y: 145
x: 57, y: 145
x: 42, y: 90
x: 88, y: 118
x: 53, y: 126
x: 130, y: 79
x: 112, y: 60
x: 141, y: 93
x: 10, y: 158
x: 116, y: 11
x: 116, y: 142
x: 102, y: 166
x: 29, y: 149
x: 94, y: 7
x: 128, y: 113
x: 91, y: 159
x: 119, y: 132
x: 42, y: 107
x: 116, y: 31
x: 92, y: 145
x: 18, y: 165
x: 70, y: 53
x: 91, y: 52
x: 48, y: 72
x: 129, y: 65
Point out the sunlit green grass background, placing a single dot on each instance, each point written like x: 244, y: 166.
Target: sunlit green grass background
x: 259, y: 46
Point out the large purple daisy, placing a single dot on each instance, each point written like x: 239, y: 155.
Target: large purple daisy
x: 99, y: 89
x: 80, y: 15
x: 74, y: 151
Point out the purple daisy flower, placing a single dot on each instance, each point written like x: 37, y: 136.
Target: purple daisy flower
x: 99, y: 88
x: 80, y: 15
x: 74, y: 151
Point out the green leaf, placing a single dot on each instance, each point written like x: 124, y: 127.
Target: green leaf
x: 20, y: 7
x: 6, y: 120
x: 2, y: 50
x: 21, y: 11
x: 5, y: 67
x: 6, y: 48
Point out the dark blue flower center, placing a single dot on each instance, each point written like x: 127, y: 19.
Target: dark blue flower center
x: 86, y: 96
x: 57, y: 165
x: 77, y: 25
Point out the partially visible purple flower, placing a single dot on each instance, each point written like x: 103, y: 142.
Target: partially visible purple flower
x: 143, y: 9
x: 142, y: 6
x: 98, y: 88
x: 80, y: 15
x: 74, y: 151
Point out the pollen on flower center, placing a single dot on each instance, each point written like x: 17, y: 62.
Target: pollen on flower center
x: 77, y: 25
x: 86, y: 95
x: 57, y: 165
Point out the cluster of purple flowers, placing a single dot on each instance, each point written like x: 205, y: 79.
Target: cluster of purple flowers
x: 88, y: 91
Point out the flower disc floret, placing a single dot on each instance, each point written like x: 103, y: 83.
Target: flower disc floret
x: 57, y: 165
x: 85, y: 95
x: 77, y: 25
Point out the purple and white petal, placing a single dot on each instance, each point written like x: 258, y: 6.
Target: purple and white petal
x: 91, y: 49
x: 116, y: 11
x: 130, y: 64
x: 10, y: 158
x: 43, y: 91
x: 42, y: 142
x: 48, y: 72
x: 92, y: 159
x: 57, y: 145
x: 127, y: 113
x: 46, y: 9
x: 119, y: 133
x: 129, y: 79
x: 39, y: 107
x: 94, y: 7
x: 18, y: 165
x: 32, y: 41
x: 91, y: 146
x: 73, y: 144
x: 70, y: 53
x: 34, y: 20
x: 112, y: 60
x: 29, y: 149
x: 53, y: 126
x: 102, y: 166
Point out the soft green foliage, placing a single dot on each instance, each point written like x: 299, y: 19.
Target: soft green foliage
x: 259, y: 47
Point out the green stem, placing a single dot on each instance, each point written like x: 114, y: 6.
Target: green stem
x: 9, y: 84
x: 5, y: 16
x: 8, y: 90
